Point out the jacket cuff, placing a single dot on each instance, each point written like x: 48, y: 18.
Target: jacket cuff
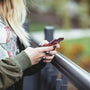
x: 22, y: 60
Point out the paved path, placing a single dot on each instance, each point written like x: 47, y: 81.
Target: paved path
x: 68, y: 34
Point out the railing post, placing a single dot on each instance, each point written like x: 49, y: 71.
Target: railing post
x: 61, y: 84
x: 26, y: 25
x: 58, y: 84
x: 64, y: 82
x: 49, y: 35
x: 49, y: 32
x: 49, y: 72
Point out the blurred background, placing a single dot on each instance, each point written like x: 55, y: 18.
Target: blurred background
x: 71, y: 19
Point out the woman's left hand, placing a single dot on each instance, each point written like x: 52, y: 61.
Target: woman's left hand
x: 49, y: 55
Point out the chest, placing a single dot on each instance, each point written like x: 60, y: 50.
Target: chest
x: 8, y: 44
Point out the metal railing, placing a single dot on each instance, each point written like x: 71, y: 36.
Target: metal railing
x: 78, y: 76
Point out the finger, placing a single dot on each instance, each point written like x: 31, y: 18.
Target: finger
x: 45, y: 42
x: 45, y: 49
x: 49, y: 57
x: 44, y: 58
x: 52, y: 52
x: 48, y: 52
x: 56, y: 46
x: 47, y: 61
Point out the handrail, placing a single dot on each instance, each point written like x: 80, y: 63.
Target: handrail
x: 78, y: 76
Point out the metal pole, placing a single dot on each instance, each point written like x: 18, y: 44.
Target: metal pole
x: 49, y: 69
x: 78, y: 76
x: 49, y: 31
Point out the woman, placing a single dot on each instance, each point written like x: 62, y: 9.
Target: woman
x: 16, y: 55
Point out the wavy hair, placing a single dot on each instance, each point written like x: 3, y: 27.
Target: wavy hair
x: 13, y: 13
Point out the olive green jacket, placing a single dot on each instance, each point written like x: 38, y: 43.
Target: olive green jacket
x: 14, y: 69
x: 11, y: 69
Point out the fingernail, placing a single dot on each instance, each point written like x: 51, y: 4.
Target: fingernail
x: 40, y: 44
x: 48, y: 52
x: 44, y: 61
x: 58, y: 46
x: 55, y: 46
x: 44, y: 58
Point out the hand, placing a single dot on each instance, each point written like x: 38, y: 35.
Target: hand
x: 49, y: 53
x: 37, y: 54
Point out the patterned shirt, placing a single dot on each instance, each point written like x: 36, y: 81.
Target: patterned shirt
x: 8, y: 41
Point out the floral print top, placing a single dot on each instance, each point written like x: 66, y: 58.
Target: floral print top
x: 8, y: 41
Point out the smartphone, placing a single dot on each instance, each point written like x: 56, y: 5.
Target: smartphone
x: 53, y: 42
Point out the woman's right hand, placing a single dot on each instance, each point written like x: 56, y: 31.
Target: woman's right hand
x: 37, y: 54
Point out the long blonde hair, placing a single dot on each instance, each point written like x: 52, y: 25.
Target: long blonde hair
x: 14, y: 12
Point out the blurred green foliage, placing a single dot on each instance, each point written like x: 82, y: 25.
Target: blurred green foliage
x: 66, y: 10
x: 78, y: 51
x: 84, y: 43
x: 34, y: 26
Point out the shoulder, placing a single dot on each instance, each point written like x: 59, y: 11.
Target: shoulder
x: 3, y: 33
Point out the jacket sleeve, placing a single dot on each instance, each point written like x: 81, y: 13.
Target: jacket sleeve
x: 11, y: 69
x: 35, y: 68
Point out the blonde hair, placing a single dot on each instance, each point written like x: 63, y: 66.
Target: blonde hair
x: 14, y: 12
